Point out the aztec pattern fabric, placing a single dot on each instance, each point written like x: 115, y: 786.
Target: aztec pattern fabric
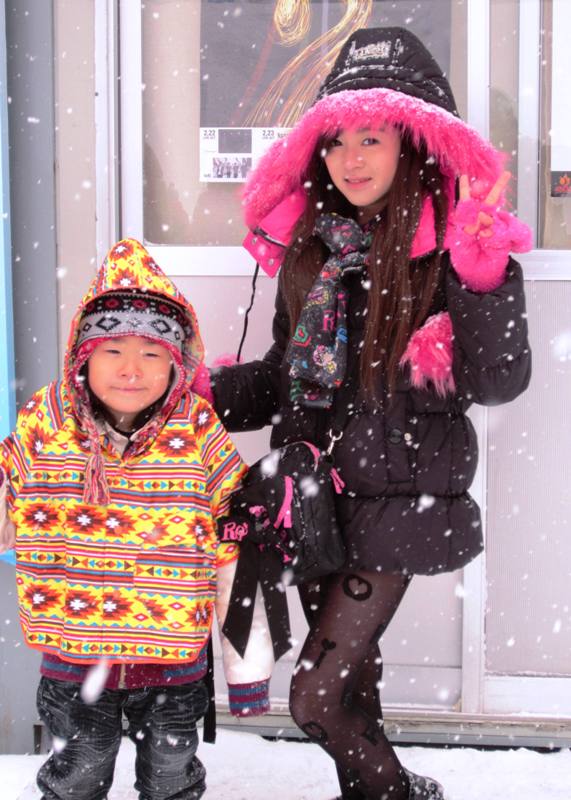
x: 317, y: 353
x: 132, y: 313
x: 133, y: 581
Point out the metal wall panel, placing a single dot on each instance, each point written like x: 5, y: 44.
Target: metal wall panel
x: 528, y: 621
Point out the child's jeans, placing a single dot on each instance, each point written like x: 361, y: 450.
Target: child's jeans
x: 86, y: 739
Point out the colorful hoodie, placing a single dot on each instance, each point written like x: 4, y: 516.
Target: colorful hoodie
x: 134, y: 581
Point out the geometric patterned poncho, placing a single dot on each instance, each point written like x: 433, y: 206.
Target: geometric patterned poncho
x: 134, y: 580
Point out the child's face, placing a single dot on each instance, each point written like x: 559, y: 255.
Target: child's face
x: 127, y: 374
x: 362, y: 165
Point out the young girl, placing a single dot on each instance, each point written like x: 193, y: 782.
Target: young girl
x: 410, y: 302
x: 114, y: 479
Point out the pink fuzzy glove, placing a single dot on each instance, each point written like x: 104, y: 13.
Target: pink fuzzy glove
x: 481, y: 235
x: 201, y: 384
x: 429, y: 355
x: 267, y: 243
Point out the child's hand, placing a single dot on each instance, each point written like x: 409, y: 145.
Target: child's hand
x: 7, y: 536
x: 482, y: 235
x: 7, y: 530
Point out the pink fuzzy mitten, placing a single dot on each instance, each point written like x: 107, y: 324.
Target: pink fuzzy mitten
x: 429, y: 355
x: 272, y: 235
x: 201, y: 383
x: 481, y: 236
x: 225, y: 360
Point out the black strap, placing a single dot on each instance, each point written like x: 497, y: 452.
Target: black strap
x: 344, y: 401
x: 209, y: 729
x: 275, y: 601
x: 263, y: 567
x: 245, y: 326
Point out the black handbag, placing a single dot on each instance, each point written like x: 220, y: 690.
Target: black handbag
x: 284, y: 518
x: 289, y: 499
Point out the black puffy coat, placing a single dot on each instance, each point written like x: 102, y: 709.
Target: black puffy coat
x: 407, y: 465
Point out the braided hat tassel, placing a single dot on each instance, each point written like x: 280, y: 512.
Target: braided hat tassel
x: 96, y: 488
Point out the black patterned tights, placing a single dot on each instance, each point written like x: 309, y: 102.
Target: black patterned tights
x: 334, y: 694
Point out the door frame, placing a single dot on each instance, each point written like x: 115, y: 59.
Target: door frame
x: 120, y: 200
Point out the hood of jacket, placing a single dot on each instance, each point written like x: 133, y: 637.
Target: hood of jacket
x: 128, y: 266
x: 381, y: 76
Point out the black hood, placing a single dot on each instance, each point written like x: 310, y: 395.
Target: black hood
x: 389, y: 58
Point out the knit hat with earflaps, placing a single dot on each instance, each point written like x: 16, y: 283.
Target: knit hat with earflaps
x: 134, y: 313
x: 112, y: 316
x: 381, y: 76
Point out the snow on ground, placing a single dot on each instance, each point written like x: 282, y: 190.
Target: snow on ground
x: 244, y: 766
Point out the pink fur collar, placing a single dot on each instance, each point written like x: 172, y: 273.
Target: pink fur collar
x: 457, y: 147
x: 425, y: 237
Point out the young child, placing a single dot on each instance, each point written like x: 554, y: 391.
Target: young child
x: 410, y: 306
x: 113, y: 480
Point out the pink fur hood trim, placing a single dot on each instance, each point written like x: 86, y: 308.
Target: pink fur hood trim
x: 425, y: 237
x: 429, y: 355
x: 458, y: 148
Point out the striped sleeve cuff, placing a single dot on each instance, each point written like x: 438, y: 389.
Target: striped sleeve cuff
x: 249, y: 699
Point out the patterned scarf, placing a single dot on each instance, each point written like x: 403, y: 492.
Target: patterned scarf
x: 317, y: 353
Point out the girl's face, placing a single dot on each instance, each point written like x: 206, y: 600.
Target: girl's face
x: 128, y: 374
x: 362, y: 165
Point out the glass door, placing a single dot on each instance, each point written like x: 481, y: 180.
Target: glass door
x: 205, y: 85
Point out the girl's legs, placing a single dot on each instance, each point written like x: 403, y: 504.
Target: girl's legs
x: 366, y: 692
x: 366, y: 696
x: 334, y: 697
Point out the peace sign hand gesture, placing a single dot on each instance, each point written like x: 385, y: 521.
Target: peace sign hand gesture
x: 482, y: 235
x: 483, y: 225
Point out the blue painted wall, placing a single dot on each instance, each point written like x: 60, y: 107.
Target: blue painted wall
x: 7, y: 394
x: 7, y: 407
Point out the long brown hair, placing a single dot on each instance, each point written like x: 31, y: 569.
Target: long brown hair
x: 401, y: 292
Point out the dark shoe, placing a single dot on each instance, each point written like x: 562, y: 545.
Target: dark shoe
x: 423, y: 788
